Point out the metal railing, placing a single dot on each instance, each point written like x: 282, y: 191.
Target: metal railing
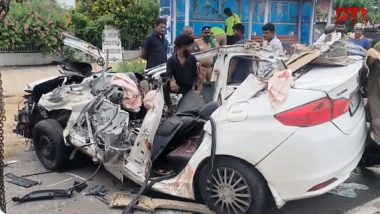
x: 31, y: 48
x: 131, y: 45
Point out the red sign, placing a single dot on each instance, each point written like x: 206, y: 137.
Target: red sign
x: 345, y: 14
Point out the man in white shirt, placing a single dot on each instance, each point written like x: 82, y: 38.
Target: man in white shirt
x: 271, y: 42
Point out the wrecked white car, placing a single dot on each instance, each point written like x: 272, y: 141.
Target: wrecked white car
x: 282, y: 130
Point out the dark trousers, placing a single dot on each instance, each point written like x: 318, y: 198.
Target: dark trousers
x: 230, y: 40
x: 167, y: 91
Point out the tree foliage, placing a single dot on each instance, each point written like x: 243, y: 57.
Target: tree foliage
x: 134, y: 18
x: 37, y: 22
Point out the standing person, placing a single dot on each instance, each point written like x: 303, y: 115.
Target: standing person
x: 219, y: 35
x: 359, y: 37
x: 206, y: 66
x: 181, y: 69
x: 271, y: 42
x: 230, y: 21
x: 239, y: 31
x: 187, y: 30
x: 155, y: 45
x: 240, y: 67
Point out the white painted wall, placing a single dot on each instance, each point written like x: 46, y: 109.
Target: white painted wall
x: 10, y: 59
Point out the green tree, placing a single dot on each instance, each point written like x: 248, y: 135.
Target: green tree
x: 37, y: 22
x: 134, y: 18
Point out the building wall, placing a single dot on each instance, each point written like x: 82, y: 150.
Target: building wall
x: 285, y: 14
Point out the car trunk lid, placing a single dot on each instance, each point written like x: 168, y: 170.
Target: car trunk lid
x: 340, y: 82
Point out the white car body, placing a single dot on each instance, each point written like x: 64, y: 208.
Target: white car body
x: 292, y: 159
x: 296, y: 162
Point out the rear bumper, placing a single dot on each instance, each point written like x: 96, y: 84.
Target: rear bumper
x: 312, y: 156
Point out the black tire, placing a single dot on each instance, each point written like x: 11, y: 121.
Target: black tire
x: 49, y: 144
x: 254, y: 193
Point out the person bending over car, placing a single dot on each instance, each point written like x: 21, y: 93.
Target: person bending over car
x: 181, y: 69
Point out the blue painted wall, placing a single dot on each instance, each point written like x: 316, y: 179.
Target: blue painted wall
x: 283, y: 13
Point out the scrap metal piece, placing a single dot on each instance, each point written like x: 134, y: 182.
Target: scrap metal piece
x: 151, y: 204
x: 79, y: 187
x: 44, y: 195
x: 97, y: 190
x: 11, y: 162
x: 38, y: 173
x: 19, y: 181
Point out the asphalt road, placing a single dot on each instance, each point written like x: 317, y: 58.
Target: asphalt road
x: 79, y: 203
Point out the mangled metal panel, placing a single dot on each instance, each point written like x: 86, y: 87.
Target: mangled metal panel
x: 138, y: 163
x: 111, y: 131
x: 248, y: 89
x: 83, y: 46
x: 152, y: 204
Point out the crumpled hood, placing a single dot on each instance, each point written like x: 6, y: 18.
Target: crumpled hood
x: 83, y: 46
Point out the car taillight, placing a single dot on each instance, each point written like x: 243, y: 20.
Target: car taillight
x: 314, y: 113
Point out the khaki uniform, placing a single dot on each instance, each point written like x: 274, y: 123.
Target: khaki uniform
x: 373, y: 94
x: 221, y: 39
x: 206, y: 66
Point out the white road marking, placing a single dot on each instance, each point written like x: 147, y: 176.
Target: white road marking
x: 77, y: 176
x: 61, y: 182
x: 371, y: 207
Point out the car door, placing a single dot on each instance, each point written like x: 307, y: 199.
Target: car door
x: 138, y: 162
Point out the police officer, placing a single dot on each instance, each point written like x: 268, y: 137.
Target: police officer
x: 203, y: 44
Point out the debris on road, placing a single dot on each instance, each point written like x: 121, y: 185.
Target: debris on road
x: 348, y: 189
x: 19, y: 181
x: 11, y: 162
x: 146, y: 203
x: 97, y: 190
x: 79, y: 187
x: 44, y: 195
x: 38, y: 173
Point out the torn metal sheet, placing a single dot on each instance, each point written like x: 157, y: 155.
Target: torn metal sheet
x: 303, y: 59
x: 137, y: 164
x: 248, y: 89
x: 151, y: 204
x: 83, y: 46
x: 19, y: 181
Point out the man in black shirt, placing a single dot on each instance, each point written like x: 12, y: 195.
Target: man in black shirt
x: 181, y: 69
x: 155, y: 45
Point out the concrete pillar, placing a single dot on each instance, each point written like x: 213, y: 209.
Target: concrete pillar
x: 187, y: 12
x: 174, y: 15
x: 300, y: 14
x: 267, y: 7
x: 312, y: 22
x: 250, y: 22
x: 329, y: 15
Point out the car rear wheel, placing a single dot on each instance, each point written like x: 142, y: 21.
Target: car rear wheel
x: 49, y: 144
x: 237, y: 188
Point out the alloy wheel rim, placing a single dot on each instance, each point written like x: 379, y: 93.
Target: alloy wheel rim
x: 230, y: 192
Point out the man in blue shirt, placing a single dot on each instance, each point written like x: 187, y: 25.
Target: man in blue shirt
x: 359, y: 38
